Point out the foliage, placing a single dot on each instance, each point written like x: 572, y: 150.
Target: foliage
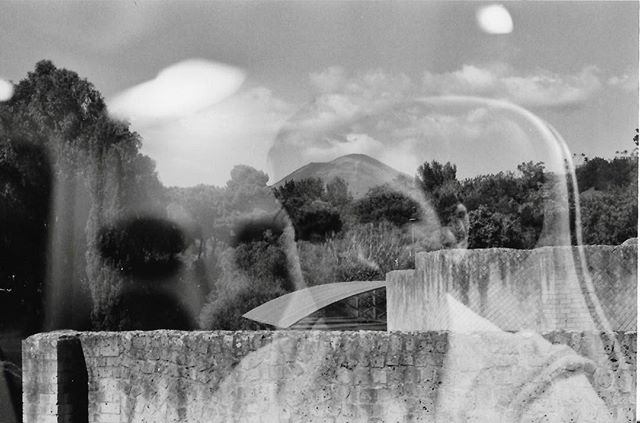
x: 431, y: 176
x: 225, y: 311
x: 254, y: 272
x: 609, y: 198
x: 149, y: 309
x: 247, y: 191
x: 610, y: 218
x: 363, y: 252
x: 603, y: 175
x: 200, y: 207
x: 257, y: 229
x: 317, y: 221
x: 264, y: 262
x: 337, y: 194
x: 25, y: 192
x: 383, y: 203
x: 506, y: 209
x: 142, y: 247
x: 91, y: 155
x: 489, y: 229
x: 313, y: 209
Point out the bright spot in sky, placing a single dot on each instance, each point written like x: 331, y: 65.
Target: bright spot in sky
x: 494, y: 19
x: 179, y: 90
x: 6, y: 90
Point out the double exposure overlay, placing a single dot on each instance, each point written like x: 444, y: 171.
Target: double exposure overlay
x: 345, y: 211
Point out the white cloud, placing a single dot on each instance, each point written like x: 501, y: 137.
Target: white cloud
x: 374, y: 113
x: 350, y: 144
x: 381, y: 115
x: 539, y: 89
x: 625, y: 82
x: 204, y: 147
x: 329, y: 80
x: 342, y: 100
x: 179, y: 90
x: 343, y: 96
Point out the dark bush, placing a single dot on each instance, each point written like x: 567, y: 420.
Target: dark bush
x: 144, y: 309
x: 382, y: 203
x: 257, y: 229
x: 143, y: 247
x: 225, y: 312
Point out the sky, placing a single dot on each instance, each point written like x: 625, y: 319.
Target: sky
x: 277, y: 85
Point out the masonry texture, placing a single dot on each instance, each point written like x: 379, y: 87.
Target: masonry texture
x: 545, y: 289
x: 171, y: 376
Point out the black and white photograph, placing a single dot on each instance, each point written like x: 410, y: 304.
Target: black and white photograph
x: 318, y: 211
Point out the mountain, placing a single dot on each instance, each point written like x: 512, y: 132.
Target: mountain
x: 360, y: 171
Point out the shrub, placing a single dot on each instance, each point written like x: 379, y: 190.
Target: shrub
x: 225, y: 312
x: 382, y: 203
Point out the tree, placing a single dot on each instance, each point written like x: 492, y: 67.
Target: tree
x: 203, y: 207
x: 255, y: 271
x: 382, y: 203
x: 508, y: 210
x: 609, y: 218
x: 56, y: 111
x: 293, y: 195
x: 25, y: 194
x: 603, y: 175
x: 317, y: 221
x: 225, y: 311
x: 431, y: 176
x: 609, y: 197
x: 247, y: 191
x: 97, y: 173
x: 439, y: 184
x: 490, y: 229
x: 337, y: 194
x: 312, y: 208
x: 146, y: 247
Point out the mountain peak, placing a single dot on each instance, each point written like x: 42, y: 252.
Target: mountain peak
x: 360, y: 171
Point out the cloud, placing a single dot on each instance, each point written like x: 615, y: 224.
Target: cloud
x: 203, y: 147
x: 341, y: 96
x: 625, y: 82
x: 332, y: 79
x: 350, y: 143
x: 375, y: 113
x: 540, y: 89
x: 178, y: 90
x: 382, y: 115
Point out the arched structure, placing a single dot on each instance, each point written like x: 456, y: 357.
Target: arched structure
x: 284, y: 311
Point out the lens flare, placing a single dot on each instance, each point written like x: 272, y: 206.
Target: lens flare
x: 178, y: 90
x: 6, y: 90
x: 494, y: 19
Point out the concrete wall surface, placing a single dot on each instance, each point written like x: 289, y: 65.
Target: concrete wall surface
x: 299, y: 376
x: 545, y: 289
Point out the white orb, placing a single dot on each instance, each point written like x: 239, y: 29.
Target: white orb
x: 494, y: 19
x: 6, y: 90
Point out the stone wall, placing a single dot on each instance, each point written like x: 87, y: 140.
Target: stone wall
x: 170, y: 376
x: 545, y: 289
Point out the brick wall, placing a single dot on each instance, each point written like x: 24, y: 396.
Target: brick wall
x: 170, y: 376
